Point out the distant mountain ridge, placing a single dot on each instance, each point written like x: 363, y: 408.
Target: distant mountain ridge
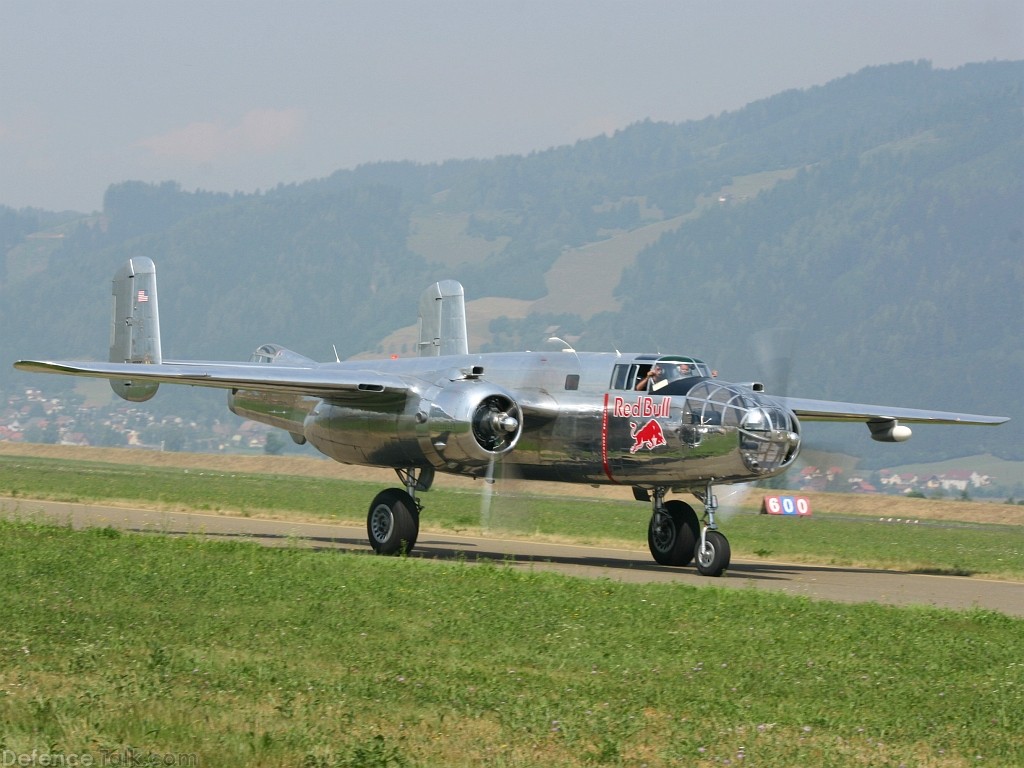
x: 872, y: 229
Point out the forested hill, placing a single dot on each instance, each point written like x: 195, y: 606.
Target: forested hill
x: 870, y: 232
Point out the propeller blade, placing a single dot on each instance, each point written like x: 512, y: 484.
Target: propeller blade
x: 486, y: 497
x: 773, y: 348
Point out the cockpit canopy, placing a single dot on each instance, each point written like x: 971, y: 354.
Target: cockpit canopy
x: 666, y: 370
x: 275, y: 354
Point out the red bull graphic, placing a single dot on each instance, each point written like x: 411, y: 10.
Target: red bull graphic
x: 645, y: 407
x: 648, y: 437
x: 642, y: 410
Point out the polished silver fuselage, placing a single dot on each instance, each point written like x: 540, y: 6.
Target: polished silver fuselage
x: 582, y: 420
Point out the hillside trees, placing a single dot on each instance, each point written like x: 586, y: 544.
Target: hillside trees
x: 872, y: 226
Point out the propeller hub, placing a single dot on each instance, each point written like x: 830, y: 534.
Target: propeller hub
x: 505, y: 422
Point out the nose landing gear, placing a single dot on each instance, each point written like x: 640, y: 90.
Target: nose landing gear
x: 713, y: 553
x: 675, y: 537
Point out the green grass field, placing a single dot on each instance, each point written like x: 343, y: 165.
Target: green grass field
x: 193, y: 652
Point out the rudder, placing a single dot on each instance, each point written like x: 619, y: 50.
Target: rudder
x: 135, y: 331
x: 443, y: 320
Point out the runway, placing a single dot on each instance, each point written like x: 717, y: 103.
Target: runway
x: 813, y: 581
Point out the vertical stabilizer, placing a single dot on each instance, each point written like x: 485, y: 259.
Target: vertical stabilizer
x: 443, y: 320
x: 135, y: 333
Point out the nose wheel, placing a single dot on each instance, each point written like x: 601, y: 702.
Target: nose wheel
x: 713, y: 553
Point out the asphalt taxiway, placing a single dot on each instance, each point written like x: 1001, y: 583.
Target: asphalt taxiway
x: 823, y: 582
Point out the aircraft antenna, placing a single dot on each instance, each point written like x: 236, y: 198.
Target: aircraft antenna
x: 567, y: 348
x: 563, y: 342
x: 335, y: 348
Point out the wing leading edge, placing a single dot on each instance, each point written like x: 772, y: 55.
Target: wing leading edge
x: 318, y: 381
x: 827, y: 410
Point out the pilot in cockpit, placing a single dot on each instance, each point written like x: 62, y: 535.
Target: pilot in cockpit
x: 660, y: 375
x: 647, y: 381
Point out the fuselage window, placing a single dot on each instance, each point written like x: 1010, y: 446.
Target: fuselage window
x: 572, y: 381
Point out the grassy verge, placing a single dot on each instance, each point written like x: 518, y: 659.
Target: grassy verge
x: 233, y: 654
x: 991, y: 550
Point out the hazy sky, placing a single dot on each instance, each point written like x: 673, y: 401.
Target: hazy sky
x: 244, y: 95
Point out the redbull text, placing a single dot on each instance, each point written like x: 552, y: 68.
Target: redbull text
x: 645, y: 407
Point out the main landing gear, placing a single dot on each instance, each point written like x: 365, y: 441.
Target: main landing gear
x: 393, y: 522
x: 675, y: 537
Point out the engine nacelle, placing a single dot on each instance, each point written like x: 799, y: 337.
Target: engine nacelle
x: 468, y: 424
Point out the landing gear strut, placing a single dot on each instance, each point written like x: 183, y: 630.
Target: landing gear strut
x: 713, y: 553
x: 393, y: 522
x: 675, y: 537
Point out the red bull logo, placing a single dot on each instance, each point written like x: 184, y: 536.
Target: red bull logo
x: 648, y: 437
x: 644, y: 407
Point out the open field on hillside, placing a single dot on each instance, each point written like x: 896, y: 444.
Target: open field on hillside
x: 183, y: 651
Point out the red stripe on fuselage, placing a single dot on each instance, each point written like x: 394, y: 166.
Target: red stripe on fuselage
x: 604, y: 442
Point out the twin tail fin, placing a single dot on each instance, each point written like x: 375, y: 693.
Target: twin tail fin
x: 135, y: 330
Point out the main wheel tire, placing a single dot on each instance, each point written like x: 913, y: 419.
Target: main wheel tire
x: 673, y: 541
x: 393, y: 522
x: 714, y: 558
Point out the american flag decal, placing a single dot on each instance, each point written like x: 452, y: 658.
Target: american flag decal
x: 143, y: 297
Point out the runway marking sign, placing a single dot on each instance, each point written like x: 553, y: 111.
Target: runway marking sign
x: 786, y: 505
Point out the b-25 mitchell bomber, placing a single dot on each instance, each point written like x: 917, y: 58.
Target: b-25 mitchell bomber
x: 653, y: 423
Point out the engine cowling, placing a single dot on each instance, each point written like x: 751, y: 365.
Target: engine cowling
x: 468, y: 424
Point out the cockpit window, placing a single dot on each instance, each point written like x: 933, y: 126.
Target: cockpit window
x: 672, y: 371
x: 626, y: 375
x: 265, y: 354
x: 677, y: 367
x: 654, y: 373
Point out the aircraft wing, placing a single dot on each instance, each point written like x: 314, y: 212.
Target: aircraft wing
x: 316, y: 381
x: 827, y: 410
